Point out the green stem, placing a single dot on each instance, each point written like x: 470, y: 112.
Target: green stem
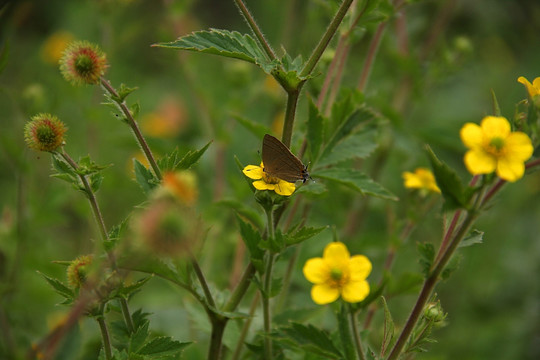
x: 218, y: 328
x: 429, y: 285
x: 290, y: 112
x: 203, y: 282
x: 267, y: 288
x: 133, y: 124
x: 127, y: 316
x: 240, y: 289
x: 245, y: 328
x: 356, y: 334
x: 105, y: 337
x: 255, y: 28
x: 103, y: 231
x: 325, y: 40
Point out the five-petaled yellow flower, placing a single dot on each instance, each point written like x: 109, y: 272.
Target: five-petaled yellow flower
x: 534, y: 88
x: 422, y: 179
x: 337, y: 273
x: 494, y: 147
x: 267, y: 182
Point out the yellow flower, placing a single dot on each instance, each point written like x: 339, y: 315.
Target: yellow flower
x: 534, y: 88
x: 267, y: 182
x: 494, y: 147
x: 422, y: 178
x: 54, y: 46
x: 337, y: 273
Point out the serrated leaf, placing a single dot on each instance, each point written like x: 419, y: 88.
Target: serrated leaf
x: 226, y: 43
x: 95, y: 181
x: 244, y: 211
x: 138, y: 338
x: 315, y: 126
x: 449, y: 182
x: 312, y: 188
x: 357, y: 181
x: 388, y: 332
x: 356, y: 146
x: 359, y: 116
x: 257, y: 129
x: 134, y: 110
x: 171, y: 162
x: 299, y: 235
x: 126, y: 291
x: 123, y: 92
x: 252, y: 239
x: 310, y: 339
x: 145, y: 178
x: 59, y: 287
x: 427, y: 255
x: 162, y: 346
x: 474, y: 237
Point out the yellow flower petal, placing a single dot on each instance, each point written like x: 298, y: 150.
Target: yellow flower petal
x: 471, y: 135
x: 495, y: 126
x: 360, y: 267
x: 534, y: 88
x: 261, y: 185
x: 253, y: 172
x: 336, y: 254
x: 316, y: 270
x: 324, y: 294
x: 479, y: 162
x: 411, y: 180
x: 284, y: 188
x: 518, y: 146
x: 510, y: 170
x: 355, y: 291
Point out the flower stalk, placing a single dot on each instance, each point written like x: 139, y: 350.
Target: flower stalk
x: 105, y: 337
x: 133, y: 124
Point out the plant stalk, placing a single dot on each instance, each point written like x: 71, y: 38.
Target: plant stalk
x: 105, y: 337
x: 255, y: 28
x: 134, y: 127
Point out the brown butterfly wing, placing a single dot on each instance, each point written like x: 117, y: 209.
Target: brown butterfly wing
x: 280, y: 162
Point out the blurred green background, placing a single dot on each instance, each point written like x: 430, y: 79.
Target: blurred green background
x: 188, y: 99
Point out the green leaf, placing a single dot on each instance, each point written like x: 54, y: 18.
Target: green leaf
x: 449, y: 182
x: 162, y: 346
x: 347, y: 127
x: 138, y: 338
x: 427, y: 256
x: 310, y: 339
x: 315, y: 125
x: 127, y: 291
x: 95, y: 181
x: 252, y: 239
x: 297, y: 236
x: 357, y: 181
x: 145, y: 178
x: 171, y: 162
x: 60, y: 288
x: 244, y: 211
x: 123, y: 92
x: 226, y: 43
x: 359, y: 145
x: 474, y: 237
x: 311, y: 188
x: 388, y: 333
x: 257, y: 129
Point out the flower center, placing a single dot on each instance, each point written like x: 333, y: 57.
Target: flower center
x: 84, y: 64
x: 270, y: 179
x: 496, y: 145
x: 336, y: 274
x: 45, y: 135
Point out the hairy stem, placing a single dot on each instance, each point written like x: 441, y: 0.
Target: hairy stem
x: 133, y: 124
x: 105, y: 337
x: 325, y: 40
x: 255, y: 28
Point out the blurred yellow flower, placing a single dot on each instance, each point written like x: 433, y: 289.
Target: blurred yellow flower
x: 54, y: 46
x: 422, y: 179
x: 337, y: 273
x: 182, y: 185
x: 267, y: 182
x: 534, y: 88
x: 167, y: 122
x: 494, y: 147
